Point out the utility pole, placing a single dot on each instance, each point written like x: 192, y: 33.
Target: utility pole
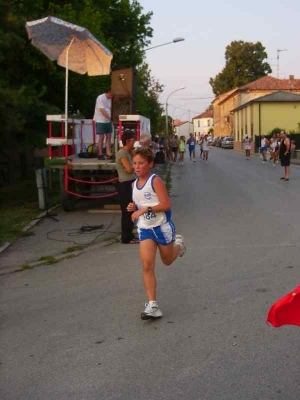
x: 278, y: 51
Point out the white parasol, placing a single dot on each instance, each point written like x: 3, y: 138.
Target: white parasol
x: 73, y: 46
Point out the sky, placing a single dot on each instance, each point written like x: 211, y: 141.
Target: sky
x: 208, y: 27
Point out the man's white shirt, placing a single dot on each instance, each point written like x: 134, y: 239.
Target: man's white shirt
x: 102, y: 102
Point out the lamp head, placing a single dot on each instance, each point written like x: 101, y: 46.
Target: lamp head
x: 178, y: 39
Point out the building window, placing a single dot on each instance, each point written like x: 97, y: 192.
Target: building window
x: 208, y: 122
x: 198, y: 124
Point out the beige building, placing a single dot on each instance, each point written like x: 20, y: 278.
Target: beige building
x: 224, y: 123
x: 261, y: 115
x: 203, y: 123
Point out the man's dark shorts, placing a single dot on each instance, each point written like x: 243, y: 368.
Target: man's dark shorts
x: 102, y: 128
x: 285, y: 161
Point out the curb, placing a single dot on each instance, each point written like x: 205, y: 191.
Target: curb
x: 57, y: 259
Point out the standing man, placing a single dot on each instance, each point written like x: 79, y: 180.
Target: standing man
x: 285, y: 155
x: 104, y: 126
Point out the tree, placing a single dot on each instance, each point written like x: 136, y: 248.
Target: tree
x: 148, y: 90
x: 32, y: 86
x: 244, y: 63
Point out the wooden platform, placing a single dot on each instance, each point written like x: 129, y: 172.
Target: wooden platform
x: 77, y: 163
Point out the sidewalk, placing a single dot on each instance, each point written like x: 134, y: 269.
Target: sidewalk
x: 69, y: 236
x: 82, y: 230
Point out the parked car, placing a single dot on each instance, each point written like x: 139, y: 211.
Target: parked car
x: 227, y: 142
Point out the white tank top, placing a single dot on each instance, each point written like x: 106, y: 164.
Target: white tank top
x: 264, y: 142
x: 146, y: 197
x: 205, y: 145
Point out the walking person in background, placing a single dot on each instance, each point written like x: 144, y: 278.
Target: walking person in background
x: 247, y: 145
x: 174, y: 147
x: 276, y: 150
x: 264, y: 147
x: 273, y: 146
x: 192, y: 143
x: 293, y: 149
x: 205, y: 148
x: 181, y: 150
x: 285, y: 155
x: 126, y: 178
x: 104, y: 126
x: 201, y: 146
x: 151, y: 209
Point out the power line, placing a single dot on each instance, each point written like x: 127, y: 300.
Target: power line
x: 197, y: 98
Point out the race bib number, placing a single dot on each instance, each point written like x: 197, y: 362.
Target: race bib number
x: 148, y: 217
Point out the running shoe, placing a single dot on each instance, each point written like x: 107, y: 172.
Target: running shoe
x: 179, y: 240
x: 151, y: 312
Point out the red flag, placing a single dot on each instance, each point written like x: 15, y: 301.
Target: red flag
x: 286, y: 311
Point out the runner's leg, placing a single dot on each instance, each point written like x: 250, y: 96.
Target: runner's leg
x: 169, y: 253
x: 148, y: 253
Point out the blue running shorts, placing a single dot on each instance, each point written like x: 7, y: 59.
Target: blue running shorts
x: 163, y: 234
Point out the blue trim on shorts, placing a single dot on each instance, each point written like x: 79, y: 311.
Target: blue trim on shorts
x: 163, y: 234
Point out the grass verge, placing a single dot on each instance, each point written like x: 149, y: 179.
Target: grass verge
x: 19, y: 205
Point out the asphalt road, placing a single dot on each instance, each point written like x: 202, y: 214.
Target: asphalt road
x: 72, y: 330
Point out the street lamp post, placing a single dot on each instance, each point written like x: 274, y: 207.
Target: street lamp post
x: 177, y: 90
x: 179, y: 39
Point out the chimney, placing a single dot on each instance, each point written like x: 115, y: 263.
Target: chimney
x: 292, y: 77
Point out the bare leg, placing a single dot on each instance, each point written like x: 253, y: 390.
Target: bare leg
x: 108, y: 144
x: 169, y: 253
x: 287, y: 172
x: 175, y: 156
x: 148, y: 253
x: 100, y: 144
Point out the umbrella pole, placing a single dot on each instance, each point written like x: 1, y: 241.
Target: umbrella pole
x: 67, y: 88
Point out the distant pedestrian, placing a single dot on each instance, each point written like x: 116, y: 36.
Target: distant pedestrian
x: 201, y: 146
x: 181, y: 150
x: 205, y: 148
x: 174, y: 147
x: 247, y: 145
x: 293, y: 149
x: 275, y: 157
x: 285, y: 155
x: 192, y: 144
x: 263, y: 148
x: 151, y: 209
x: 273, y: 146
